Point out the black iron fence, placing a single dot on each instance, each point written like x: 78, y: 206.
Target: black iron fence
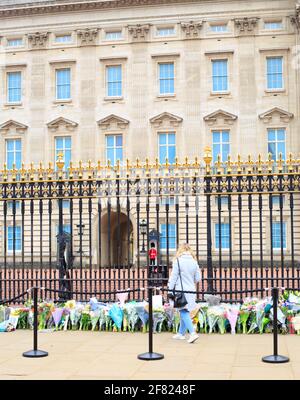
x: 90, y: 228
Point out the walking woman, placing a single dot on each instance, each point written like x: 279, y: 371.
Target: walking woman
x: 185, y: 264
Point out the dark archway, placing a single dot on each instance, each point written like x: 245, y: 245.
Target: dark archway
x: 116, y: 240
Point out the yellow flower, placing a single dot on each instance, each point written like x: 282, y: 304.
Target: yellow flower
x: 15, y: 312
x: 71, y: 304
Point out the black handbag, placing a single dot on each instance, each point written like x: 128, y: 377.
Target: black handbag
x: 179, y: 299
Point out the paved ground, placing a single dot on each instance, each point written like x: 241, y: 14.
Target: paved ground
x: 109, y: 355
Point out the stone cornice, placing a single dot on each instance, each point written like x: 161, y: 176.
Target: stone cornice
x: 77, y: 5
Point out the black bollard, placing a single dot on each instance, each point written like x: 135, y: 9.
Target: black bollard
x: 275, y: 358
x: 35, y: 353
x: 150, y: 355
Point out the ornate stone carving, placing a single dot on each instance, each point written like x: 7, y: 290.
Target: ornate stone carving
x: 191, y: 29
x: 113, y: 120
x: 139, y: 32
x: 55, y: 124
x: 166, y: 119
x: 283, y: 115
x: 38, y: 40
x: 246, y: 25
x: 12, y: 125
x: 87, y: 36
x: 227, y: 117
x: 295, y: 19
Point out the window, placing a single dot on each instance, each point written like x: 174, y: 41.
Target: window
x: 276, y: 235
x: 66, y: 228
x: 220, y: 75
x: 167, y: 147
x: 167, y: 200
x: 114, y: 148
x: 10, y: 205
x: 224, y: 236
x: 14, y: 241
x: 63, y: 84
x: 276, y: 143
x: 113, y: 35
x: 224, y: 201
x: 219, y: 28
x: 14, y: 84
x: 13, y: 153
x: 276, y: 201
x: 221, y: 145
x: 114, y: 80
x: 273, y: 25
x: 163, y: 32
x: 171, y: 236
x: 63, y: 146
x: 275, y: 73
x: 63, y: 39
x: 166, y: 78
x: 15, y: 42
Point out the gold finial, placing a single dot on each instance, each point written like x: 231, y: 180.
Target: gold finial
x: 218, y: 164
x: 99, y: 166
x: 118, y: 167
x: 90, y: 169
x: 5, y: 172
x: 250, y: 164
x: 31, y: 172
x: 14, y: 172
x: 156, y: 164
x: 80, y: 170
x: 229, y: 164
x: 50, y: 170
x: 186, y: 162
x: 259, y: 164
x: 147, y: 166
x: 280, y: 163
x: 41, y: 171
x: 270, y: 162
x: 23, y: 171
x: 71, y: 170
x: 138, y: 165
x: 177, y: 165
x: 196, y: 163
x: 167, y: 164
x: 207, y: 158
x: 60, y: 163
x: 290, y: 161
x: 239, y: 164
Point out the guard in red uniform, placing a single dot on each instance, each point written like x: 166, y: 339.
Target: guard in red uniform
x: 152, y: 255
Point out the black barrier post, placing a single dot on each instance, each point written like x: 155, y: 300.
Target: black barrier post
x: 275, y: 358
x: 150, y: 355
x: 35, y: 353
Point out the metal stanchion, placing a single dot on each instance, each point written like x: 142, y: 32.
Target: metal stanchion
x: 275, y: 358
x: 35, y: 353
x: 150, y: 355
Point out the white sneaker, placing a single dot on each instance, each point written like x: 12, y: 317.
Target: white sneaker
x: 178, y: 336
x: 193, y: 337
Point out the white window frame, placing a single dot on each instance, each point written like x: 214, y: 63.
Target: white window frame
x: 266, y: 74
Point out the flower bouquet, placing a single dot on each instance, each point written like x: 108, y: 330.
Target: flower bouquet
x: 158, y: 318
x: 143, y: 315
x: 132, y: 315
x: 116, y: 314
x: 213, y: 314
x: 232, y: 313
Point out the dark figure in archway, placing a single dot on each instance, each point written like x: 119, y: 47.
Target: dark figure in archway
x: 64, y: 263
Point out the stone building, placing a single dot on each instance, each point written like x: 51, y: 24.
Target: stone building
x: 117, y: 79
